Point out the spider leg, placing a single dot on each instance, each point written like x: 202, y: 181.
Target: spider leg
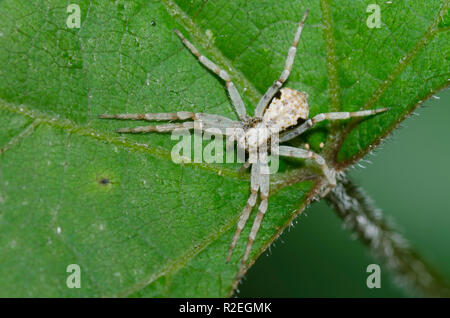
x: 198, y: 125
x: 306, y: 154
x: 203, y: 121
x: 262, y: 104
x: 151, y: 116
x: 254, y: 187
x: 236, y: 99
x: 330, y: 116
x: 215, y: 120
x: 181, y: 115
x: 157, y: 128
x: 264, y: 194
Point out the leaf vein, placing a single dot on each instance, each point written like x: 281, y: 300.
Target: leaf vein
x: 407, y: 58
x: 18, y: 138
x: 332, y: 61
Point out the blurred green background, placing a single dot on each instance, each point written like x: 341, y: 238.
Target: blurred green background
x: 409, y: 179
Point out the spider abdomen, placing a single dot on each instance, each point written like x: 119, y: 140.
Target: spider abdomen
x: 285, y: 109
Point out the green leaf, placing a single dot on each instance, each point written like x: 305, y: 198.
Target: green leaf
x: 74, y: 192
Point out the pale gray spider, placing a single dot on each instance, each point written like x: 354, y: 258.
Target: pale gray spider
x: 286, y: 107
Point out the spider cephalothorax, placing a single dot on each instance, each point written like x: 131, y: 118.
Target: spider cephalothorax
x: 284, y: 111
x: 277, y: 110
x: 250, y: 122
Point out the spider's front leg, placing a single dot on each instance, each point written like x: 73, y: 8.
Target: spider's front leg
x: 182, y: 115
x: 201, y: 121
x: 236, y: 99
x: 272, y: 90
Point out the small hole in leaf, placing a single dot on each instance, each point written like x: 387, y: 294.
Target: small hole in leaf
x: 104, y: 181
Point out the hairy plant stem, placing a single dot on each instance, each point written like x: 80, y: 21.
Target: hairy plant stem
x: 361, y: 217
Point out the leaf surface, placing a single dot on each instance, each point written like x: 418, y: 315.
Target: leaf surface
x: 74, y: 192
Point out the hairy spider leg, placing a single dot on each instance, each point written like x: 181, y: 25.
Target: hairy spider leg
x: 264, y: 181
x: 330, y: 116
x: 201, y: 121
x: 157, y: 128
x: 272, y: 90
x: 254, y: 187
x: 151, y: 116
x: 288, y: 151
x: 236, y: 99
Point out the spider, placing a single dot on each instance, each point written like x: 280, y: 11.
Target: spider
x: 278, y: 109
